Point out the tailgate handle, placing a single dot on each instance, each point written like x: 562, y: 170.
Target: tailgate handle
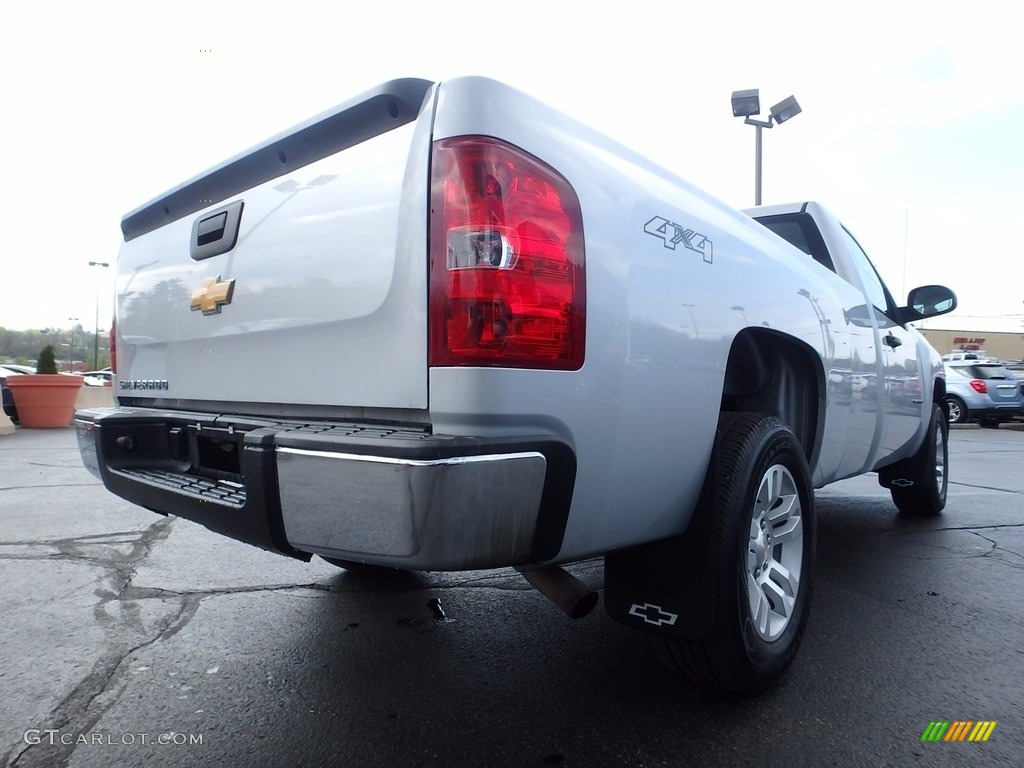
x: 211, y: 229
x: 216, y: 232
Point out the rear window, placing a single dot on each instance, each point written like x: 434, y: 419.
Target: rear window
x: 982, y: 371
x: 800, y: 230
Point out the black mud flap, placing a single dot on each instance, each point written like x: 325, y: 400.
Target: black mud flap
x: 666, y: 587
x: 903, y: 474
x: 913, y: 470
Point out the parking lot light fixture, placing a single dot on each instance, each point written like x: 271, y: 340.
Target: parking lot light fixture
x: 746, y: 104
x: 96, y: 331
x: 785, y: 109
x: 71, y: 350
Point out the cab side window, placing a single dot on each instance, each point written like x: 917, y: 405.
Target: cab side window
x: 875, y: 289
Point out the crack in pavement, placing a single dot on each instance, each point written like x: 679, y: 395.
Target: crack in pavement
x: 985, y: 487
x: 76, y: 547
x: 127, y: 631
x: 996, y: 550
x: 972, y: 528
x: 148, y: 593
x: 365, y: 586
x: 1001, y: 553
x: 76, y: 714
x: 906, y: 528
x: 79, y: 710
x: 121, y: 554
x: 54, y: 485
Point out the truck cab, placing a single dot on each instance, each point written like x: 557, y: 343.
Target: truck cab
x: 898, y: 369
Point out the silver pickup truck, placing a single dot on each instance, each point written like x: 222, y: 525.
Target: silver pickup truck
x: 444, y: 326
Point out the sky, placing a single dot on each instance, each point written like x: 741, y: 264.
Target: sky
x: 911, y: 130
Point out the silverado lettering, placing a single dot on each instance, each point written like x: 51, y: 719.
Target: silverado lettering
x: 139, y: 384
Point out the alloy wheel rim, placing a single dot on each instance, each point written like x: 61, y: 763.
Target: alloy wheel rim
x: 940, y: 461
x: 774, y: 556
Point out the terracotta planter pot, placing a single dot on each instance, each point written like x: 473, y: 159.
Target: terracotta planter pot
x: 45, y: 400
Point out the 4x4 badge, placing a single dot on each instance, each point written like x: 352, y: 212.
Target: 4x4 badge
x: 212, y: 295
x: 671, y: 234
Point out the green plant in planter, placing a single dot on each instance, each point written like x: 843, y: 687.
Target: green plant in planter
x: 46, y: 399
x: 47, y: 362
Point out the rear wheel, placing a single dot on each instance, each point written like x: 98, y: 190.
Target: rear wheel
x: 763, y: 557
x: 924, y: 493
x: 958, y: 413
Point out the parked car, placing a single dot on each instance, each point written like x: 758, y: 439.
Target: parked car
x: 1017, y: 369
x: 982, y: 390
x: 6, y: 371
x: 952, y: 357
x: 98, y: 378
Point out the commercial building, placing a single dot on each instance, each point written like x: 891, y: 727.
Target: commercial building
x: 1001, y: 345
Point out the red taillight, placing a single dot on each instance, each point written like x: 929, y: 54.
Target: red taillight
x: 506, y: 259
x: 979, y: 386
x: 113, y: 346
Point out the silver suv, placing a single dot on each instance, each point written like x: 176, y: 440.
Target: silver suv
x: 982, y: 390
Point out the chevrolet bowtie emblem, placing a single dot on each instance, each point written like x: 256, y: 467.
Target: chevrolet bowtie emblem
x: 212, y: 295
x: 653, y: 614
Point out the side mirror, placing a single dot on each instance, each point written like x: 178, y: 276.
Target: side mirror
x: 927, y: 301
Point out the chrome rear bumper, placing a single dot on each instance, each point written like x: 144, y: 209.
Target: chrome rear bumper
x: 452, y: 513
x: 374, y: 493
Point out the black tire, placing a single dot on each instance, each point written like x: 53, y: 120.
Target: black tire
x: 927, y: 496
x: 758, y: 485
x: 957, y: 409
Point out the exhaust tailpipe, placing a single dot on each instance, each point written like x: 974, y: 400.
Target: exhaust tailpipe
x: 561, y: 588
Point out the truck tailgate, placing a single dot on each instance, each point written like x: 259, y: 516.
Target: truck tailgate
x: 321, y: 299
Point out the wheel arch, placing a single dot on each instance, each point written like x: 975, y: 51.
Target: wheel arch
x: 770, y: 372
x: 939, y: 392
x: 691, y: 591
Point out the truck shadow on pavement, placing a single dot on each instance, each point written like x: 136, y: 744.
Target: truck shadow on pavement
x: 478, y: 669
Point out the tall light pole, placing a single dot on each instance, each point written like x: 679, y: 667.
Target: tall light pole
x: 71, y: 351
x: 96, y: 333
x: 748, y: 103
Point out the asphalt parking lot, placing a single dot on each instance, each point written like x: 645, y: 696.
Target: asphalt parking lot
x: 132, y: 639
